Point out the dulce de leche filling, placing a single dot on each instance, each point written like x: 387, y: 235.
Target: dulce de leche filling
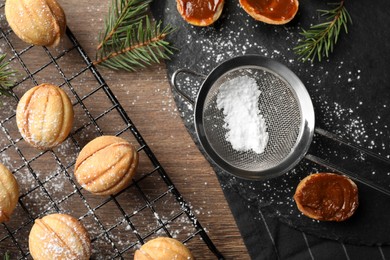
x: 198, y: 10
x: 328, y: 197
x: 277, y: 10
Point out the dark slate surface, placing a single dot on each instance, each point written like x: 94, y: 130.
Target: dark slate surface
x: 351, y: 95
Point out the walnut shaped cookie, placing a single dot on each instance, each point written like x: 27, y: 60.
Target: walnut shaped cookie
x: 44, y: 116
x: 59, y: 236
x: 9, y: 193
x: 106, y: 165
x: 162, y: 248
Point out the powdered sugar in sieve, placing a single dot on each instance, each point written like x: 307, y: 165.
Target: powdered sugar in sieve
x: 238, y: 98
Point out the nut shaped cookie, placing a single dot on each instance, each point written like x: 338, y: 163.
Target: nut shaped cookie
x: 9, y: 193
x: 106, y: 165
x: 39, y: 22
x: 44, y: 116
x: 162, y: 248
x: 59, y: 236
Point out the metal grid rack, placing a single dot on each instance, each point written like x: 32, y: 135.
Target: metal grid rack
x: 151, y: 206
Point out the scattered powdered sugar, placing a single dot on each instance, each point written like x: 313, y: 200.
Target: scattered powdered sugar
x: 239, y: 99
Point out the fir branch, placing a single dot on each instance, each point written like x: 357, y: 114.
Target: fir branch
x: 122, y: 13
x: 129, y: 39
x: 320, y: 39
x: 6, y: 77
x: 144, y: 44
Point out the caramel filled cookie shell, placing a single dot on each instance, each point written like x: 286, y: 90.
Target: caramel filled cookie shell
x: 271, y: 11
x: 327, y: 197
x: 200, y: 12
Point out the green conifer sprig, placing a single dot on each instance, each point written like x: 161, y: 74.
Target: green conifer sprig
x: 319, y: 40
x: 130, y: 40
x: 6, y: 77
x: 121, y: 15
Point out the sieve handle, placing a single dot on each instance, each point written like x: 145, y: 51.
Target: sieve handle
x: 181, y: 92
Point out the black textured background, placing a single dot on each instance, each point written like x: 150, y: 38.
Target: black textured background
x: 351, y: 94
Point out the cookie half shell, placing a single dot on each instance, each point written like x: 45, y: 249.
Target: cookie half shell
x: 327, y: 197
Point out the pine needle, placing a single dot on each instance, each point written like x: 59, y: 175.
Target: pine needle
x: 6, y: 77
x: 121, y: 15
x: 130, y: 40
x: 320, y: 39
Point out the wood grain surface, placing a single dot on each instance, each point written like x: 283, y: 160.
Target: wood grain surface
x: 146, y: 97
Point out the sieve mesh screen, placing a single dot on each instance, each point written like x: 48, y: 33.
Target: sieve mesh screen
x: 280, y: 108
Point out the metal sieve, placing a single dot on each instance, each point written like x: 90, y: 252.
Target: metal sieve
x: 284, y: 102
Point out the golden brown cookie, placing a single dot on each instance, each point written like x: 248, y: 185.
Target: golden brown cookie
x: 327, y: 197
x: 59, y: 236
x: 106, y: 165
x: 39, y: 22
x: 44, y: 116
x: 9, y: 193
x: 200, y: 12
x: 271, y: 11
x: 163, y: 248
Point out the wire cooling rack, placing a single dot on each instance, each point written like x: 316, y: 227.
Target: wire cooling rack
x: 151, y: 206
